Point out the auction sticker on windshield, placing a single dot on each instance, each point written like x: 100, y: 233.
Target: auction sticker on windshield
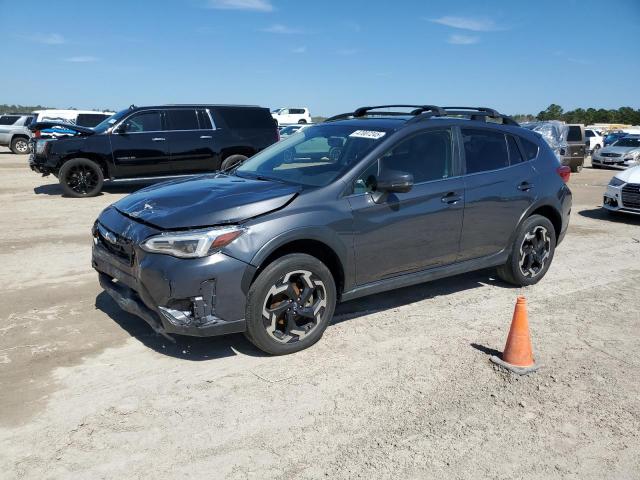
x: 368, y: 134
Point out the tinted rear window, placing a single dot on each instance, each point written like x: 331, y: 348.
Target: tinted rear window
x: 575, y: 134
x: 514, y: 151
x: 8, y: 119
x: 90, y: 119
x: 244, y: 117
x: 484, y: 150
x: 182, y: 119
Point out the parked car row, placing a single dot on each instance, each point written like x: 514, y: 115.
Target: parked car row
x: 151, y: 142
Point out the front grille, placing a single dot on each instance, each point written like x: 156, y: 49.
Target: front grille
x: 631, y: 195
x: 610, y: 155
x: 115, y: 244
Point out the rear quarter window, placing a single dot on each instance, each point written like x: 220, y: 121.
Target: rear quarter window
x: 530, y: 148
x: 244, y: 118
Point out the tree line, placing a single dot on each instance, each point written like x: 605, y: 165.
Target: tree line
x: 588, y: 116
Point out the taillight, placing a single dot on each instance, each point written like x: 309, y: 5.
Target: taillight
x: 564, y: 172
x: 37, y: 134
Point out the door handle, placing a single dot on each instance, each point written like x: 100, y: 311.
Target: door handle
x: 451, y: 198
x: 158, y: 139
x: 525, y: 186
x: 206, y: 136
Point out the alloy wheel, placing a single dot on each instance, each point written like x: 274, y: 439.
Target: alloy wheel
x: 82, y: 179
x: 22, y: 146
x: 534, y: 251
x: 294, y: 306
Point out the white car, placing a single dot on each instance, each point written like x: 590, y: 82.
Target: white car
x: 289, y: 115
x: 594, y: 138
x: 623, y: 153
x: 623, y: 192
x: 82, y: 118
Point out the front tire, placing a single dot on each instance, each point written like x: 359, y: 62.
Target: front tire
x: 290, y: 304
x: 531, y: 253
x: 232, y: 161
x: 576, y: 168
x: 20, y: 146
x: 81, y: 177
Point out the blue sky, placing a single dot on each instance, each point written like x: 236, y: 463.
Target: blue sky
x: 329, y: 55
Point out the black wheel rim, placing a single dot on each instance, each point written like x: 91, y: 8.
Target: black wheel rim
x: 294, y: 306
x: 22, y: 146
x: 534, y: 251
x: 82, y: 179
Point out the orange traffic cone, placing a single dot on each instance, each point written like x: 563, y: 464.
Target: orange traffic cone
x: 518, y: 354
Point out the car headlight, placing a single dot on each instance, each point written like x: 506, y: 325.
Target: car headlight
x: 615, y: 182
x: 192, y: 244
x: 632, y: 155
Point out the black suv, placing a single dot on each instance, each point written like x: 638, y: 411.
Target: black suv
x: 363, y: 203
x: 142, y: 142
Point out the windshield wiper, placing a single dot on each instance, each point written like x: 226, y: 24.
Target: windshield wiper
x: 256, y: 176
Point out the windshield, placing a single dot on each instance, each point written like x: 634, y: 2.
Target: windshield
x: 627, y: 142
x: 107, y: 123
x: 315, y: 156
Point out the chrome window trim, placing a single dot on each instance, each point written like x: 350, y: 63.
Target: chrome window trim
x: 113, y: 128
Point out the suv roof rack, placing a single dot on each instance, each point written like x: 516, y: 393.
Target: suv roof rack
x: 425, y: 112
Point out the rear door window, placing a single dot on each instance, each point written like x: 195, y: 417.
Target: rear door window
x: 484, y: 150
x: 182, y: 119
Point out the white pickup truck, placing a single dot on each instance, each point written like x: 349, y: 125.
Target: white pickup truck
x: 594, y: 139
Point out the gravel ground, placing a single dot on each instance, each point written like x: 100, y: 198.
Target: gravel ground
x: 400, y: 386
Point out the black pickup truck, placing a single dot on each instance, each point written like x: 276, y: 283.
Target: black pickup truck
x: 157, y: 141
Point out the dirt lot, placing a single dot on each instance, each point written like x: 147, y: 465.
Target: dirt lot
x: 399, y: 387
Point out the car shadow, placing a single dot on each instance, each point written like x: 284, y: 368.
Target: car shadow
x: 184, y: 347
x: 55, y: 189
x: 210, y: 348
x: 609, y: 216
x: 415, y: 293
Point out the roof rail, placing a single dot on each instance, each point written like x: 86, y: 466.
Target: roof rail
x: 473, y: 113
x: 424, y: 112
x: 363, y: 111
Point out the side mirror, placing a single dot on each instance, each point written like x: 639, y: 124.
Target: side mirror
x: 391, y: 181
x: 122, y: 128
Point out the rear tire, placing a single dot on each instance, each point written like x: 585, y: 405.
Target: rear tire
x: 232, y: 161
x: 290, y: 304
x: 20, y: 146
x: 81, y: 177
x: 531, y: 252
x: 577, y: 168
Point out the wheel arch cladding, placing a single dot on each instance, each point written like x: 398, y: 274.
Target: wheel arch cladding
x: 553, y: 215
x: 314, y: 248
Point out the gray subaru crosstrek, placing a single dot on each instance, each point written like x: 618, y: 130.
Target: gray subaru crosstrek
x: 365, y: 202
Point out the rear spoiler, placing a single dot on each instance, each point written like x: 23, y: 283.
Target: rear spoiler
x: 61, y: 128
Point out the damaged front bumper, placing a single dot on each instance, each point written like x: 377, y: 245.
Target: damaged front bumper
x: 197, y: 297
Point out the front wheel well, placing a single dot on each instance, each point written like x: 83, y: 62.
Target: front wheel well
x: 553, y: 215
x: 99, y: 161
x: 246, y: 151
x: 316, y: 249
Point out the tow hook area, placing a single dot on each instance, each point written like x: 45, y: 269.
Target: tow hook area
x: 196, y: 311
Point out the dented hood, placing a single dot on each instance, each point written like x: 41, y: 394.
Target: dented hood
x: 205, y: 201
x: 63, y: 126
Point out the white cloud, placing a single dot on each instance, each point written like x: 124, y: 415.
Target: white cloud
x: 456, y: 39
x: 475, y: 24
x: 282, y: 29
x: 348, y: 51
x: 48, y: 38
x: 299, y: 50
x: 81, y: 59
x: 253, y: 5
